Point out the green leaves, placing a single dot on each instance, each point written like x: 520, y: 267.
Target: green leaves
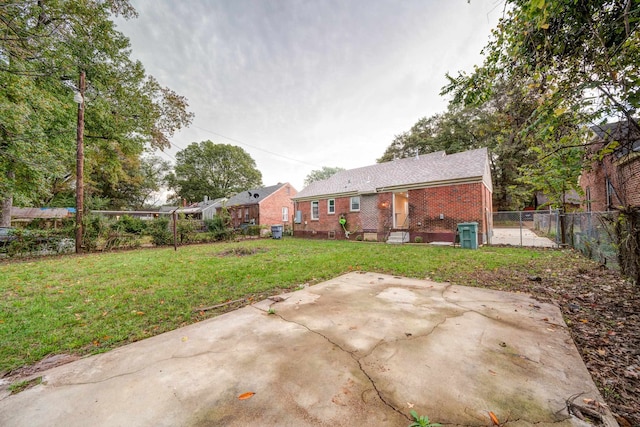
x: 213, y: 170
x: 46, y: 45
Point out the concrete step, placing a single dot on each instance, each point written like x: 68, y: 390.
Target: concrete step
x: 398, y: 237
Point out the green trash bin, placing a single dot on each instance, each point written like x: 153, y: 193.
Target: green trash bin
x: 468, y: 232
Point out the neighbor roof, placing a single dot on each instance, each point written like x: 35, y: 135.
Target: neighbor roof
x: 45, y: 213
x: 421, y: 171
x: 254, y: 195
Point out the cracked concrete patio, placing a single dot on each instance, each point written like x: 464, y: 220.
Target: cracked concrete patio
x: 361, y: 349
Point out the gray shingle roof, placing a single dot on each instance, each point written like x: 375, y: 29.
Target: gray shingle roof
x: 427, y: 169
x: 253, y: 196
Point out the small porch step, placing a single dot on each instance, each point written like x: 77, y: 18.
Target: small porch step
x: 398, y: 237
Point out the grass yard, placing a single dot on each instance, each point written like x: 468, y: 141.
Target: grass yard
x: 92, y: 303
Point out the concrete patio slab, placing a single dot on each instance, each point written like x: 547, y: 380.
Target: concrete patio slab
x: 361, y: 349
x: 520, y: 237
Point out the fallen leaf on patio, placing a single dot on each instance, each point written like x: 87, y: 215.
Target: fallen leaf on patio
x: 494, y: 419
x: 185, y: 339
x: 409, y: 405
x: 584, y: 321
x: 493, y: 372
x: 246, y: 395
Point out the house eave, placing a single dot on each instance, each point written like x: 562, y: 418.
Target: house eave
x: 326, y: 196
x: 401, y: 187
x: 443, y: 183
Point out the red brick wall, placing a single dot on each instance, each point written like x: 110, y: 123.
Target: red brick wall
x: 624, y: 175
x: 327, y: 222
x: 458, y: 203
x: 271, y: 206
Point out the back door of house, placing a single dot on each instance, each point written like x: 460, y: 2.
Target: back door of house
x: 401, y: 210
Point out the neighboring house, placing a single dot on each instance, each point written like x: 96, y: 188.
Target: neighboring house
x: 206, y: 209
x: 263, y: 206
x: 426, y: 196
x: 613, y: 179
x: 144, y: 215
x: 199, y: 211
x: 571, y: 201
x: 50, y: 215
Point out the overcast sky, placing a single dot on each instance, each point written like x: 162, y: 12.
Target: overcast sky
x: 301, y: 84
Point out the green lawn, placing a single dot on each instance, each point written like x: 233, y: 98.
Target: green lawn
x: 92, y: 303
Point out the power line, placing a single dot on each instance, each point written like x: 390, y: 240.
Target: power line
x: 257, y: 148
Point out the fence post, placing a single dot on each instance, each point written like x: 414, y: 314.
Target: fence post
x: 520, y: 219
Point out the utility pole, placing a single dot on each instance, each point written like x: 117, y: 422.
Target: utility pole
x: 80, y: 164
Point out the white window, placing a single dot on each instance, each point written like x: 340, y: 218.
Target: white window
x: 315, y: 210
x: 331, y: 206
x: 285, y: 213
x: 246, y: 215
x: 355, y: 203
x: 239, y: 213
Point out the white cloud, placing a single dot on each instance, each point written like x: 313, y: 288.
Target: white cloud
x: 327, y: 82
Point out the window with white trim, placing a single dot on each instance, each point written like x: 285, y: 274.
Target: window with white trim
x: 285, y: 214
x: 331, y: 206
x: 355, y: 203
x: 315, y: 209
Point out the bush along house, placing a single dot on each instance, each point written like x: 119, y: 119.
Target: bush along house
x: 422, y: 198
x: 265, y: 206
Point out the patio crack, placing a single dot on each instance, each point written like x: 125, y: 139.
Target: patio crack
x: 355, y: 358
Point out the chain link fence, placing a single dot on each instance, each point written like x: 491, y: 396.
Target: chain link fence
x: 525, y: 228
x: 592, y: 233
x: 589, y: 232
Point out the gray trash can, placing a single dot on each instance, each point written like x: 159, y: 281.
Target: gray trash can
x: 276, y: 231
x: 468, y: 232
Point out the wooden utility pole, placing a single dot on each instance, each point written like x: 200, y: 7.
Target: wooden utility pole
x: 80, y: 165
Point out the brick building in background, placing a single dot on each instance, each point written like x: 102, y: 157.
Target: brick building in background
x: 612, y: 179
x: 263, y: 206
x: 424, y: 196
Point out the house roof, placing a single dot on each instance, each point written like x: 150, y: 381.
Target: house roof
x: 254, y: 195
x: 616, y: 131
x: 48, y: 213
x: 425, y: 170
x: 196, y: 207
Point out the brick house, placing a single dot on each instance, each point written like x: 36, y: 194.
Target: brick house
x: 424, y: 196
x: 263, y: 206
x: 613, y: 179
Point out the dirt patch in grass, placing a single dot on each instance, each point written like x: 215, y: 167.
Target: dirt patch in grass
x: 241, y: 251
x: 602, y: 311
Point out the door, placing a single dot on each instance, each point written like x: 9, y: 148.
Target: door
x: 401, y: 210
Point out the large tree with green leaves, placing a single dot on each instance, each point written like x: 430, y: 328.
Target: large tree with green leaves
x: 321, y: 174
x: 44, y: 46
x: 580, y: 60
x: 212, y: 170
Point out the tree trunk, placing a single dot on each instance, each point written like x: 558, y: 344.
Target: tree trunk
x: 6, y: 204
x: 5, y: 211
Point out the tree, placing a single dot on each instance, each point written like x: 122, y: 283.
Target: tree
x: 321, y: 174
x: 212, y: 170
x: 581, y: 62
x: 44, y: 45
x: 495, y: 125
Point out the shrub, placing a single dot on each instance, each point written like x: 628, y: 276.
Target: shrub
x: 418, y: 239
x: 159, y: 231
x: 129, y: 224
x: 218, y: 228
